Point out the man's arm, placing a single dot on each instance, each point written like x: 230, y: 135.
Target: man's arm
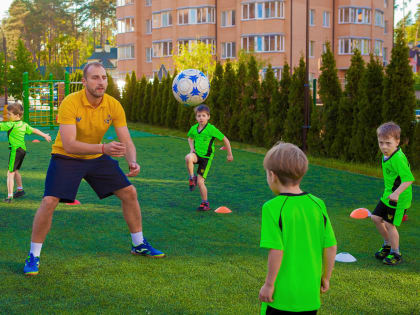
x: 130, y: 153
x: 228, y: 149
x: 328, y: 262
x: 72, y: 146
x: 275, y: 257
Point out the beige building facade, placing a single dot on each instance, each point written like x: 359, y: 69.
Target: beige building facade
x: 149, y: 31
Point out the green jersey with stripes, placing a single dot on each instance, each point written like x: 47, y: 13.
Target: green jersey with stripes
x: 204, y: 139
x: 297, y: 224
x: 16, y: 131
x: 396, y: 170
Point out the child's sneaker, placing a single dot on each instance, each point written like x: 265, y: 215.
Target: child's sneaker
x: 192, y: 182
x: 383, y: 252
x: 392, y: 259
x: 18, y: 193
x: 31, y: 265
x: 8, y: 200
x: 145, y: 249
x: 204, y: 206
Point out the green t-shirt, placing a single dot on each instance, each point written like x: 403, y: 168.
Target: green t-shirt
x: 396, y: 170
x: 204, y: 139
x: 16, y: 131
x: 297, y: 224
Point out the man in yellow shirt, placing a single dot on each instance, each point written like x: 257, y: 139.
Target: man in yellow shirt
x: 78, y: 153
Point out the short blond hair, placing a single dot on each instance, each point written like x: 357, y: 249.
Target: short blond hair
x: 15, y: 109
x: 288, y: 162
x: 389, y: 129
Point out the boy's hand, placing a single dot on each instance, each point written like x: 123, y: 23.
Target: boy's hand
x: 47, y: 137
x: 394, y: 196
x: 266, y: 293
x: 230, y: 157
x: 325, y: 285
x: 115, y: 149
x: 134, y: 168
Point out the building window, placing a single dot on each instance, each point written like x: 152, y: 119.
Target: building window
x: 228, y: 18
x: 148, y: 54
x: 386, y: 27
x: 348, y: 45
x: 196, y: 16
x: 126, y: 52
x: 263, y: 43
x: 228, y: 50
x: 385, y: 4
x: 121, y: 3
x: 278, y: 72
x: 312, y: 17
x: 125, y: 25
x: 166, y: 19
x: 354, y: 15
x: 324, y: 48
x: 162, y: 19
x: 378, y: 48
x: 186, y: 43
x: 379, y: 18
x: 326, y: 19
x: 162, y: 49
x: 263, y: 10
x: 148, y: 3
x: 311, y: 48
x: 385, y: 55
x: 148, y: 26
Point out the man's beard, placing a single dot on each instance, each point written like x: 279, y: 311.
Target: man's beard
x: 94, y: 93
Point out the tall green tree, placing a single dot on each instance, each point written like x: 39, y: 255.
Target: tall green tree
x: 399, y: 96
x: 236, y: 107
x: 416, y: 148
x: 128, y: 94
x: 141, y: 91
x: 171, y: 112
x: 295, y: 115
x: 227, y: 97
x: 112, y: 88
x: 216, y: 109
x: 154, y: 99
x: 348, y: 110
x: 145, y: 110
x: 167, y: 85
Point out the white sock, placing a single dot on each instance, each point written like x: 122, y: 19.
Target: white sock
x: 19, y: 188
x: 137, y: 238
x: 10, y: 195
x: 36, y: 249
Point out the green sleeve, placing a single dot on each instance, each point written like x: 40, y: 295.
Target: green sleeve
x: 270, y: 231
x: 29, y: 129
x: 403, y: 169
x: 217, y: 134
x: 191, y: 133
x: 5, y: 126
x: 329, y: 236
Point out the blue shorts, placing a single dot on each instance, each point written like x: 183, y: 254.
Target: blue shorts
x: 65, y: 173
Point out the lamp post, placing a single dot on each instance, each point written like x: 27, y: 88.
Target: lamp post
x: 5, y: 69
x: 306, y: 111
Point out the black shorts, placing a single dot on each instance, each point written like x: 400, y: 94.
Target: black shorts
x: 273, y: 311
x: 65, y: 173
x: 390, y: 215
x: 203, y: 165
x: 16, y: 157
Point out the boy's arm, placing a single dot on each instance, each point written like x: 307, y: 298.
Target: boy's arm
x: 38, y: 132
x: 328, y: 262
x: 396, y: 194
x: 275, y: 257
x: 228, y: 149
x: 191, y: 143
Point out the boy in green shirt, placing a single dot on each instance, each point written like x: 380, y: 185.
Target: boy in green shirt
x: 16, y: 131
x: 397, y: 195
x: 298, y: 233
x: 201, y: 140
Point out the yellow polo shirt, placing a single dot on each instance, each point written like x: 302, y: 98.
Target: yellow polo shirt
x: 91, y: 123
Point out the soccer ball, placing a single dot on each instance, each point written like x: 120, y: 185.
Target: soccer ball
x: 191, y: 87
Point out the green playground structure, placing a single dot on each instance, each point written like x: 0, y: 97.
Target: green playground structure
x: 41, y: 99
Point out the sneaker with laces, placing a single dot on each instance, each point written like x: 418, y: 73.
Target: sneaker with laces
x: 192, y: 182
x: 145, y: 249
x: 383, y: 252
x: 8, y: 200
x: 31, y: 265
x: 392, y: 259
x: 18, y: 193
x: 204, y: 206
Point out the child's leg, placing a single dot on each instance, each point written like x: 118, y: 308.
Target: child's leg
x: 10, y: 183
x: 381, y: 226
x: 202, y: 186
x: 18, y: 179
x: 190, y: 159
x: 394, y: 237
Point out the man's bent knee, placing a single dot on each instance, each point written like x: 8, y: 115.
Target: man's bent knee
x: 125, y: 193
x: 49, y: 203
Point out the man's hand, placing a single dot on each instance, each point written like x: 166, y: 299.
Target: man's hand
x: 134, y: 168
x: 266, y: 293
x: 230, y: 157
x: 115, y: 149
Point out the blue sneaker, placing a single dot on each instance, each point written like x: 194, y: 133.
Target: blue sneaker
x: 31, y: 265
x: 145, y: 249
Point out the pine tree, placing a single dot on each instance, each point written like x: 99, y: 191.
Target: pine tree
x: 145, y: 110
x: 330, y: 94
x: 227, y: 98
x: 415, y: 149
x: 125, y: 92
x: 399, y: 96
x: 154, y: 97
x: 157, y: 103
x: 171, y: 112
x: 141, y: 91
x: 131, y: 95
x: 348, y: 110
x: 22, y: 63
x: 237, y: 105
x: 283, y: 103
x: 365, y: 144
x: 249, y: 102
x: 295, y: 115
x: 315, y: 144
x: 166, y: 84
x: 216, y: 109
x: 112, y: 88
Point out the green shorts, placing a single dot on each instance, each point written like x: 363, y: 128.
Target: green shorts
x: 16, y: 157
x: 203, y: 165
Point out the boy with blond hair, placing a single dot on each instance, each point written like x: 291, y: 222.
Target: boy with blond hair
x: 201, y: 140
x: 397, y: 195
x: 16, y: 131
x: 298, y: 233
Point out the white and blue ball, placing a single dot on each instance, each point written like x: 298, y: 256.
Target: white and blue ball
x: 191, y: 87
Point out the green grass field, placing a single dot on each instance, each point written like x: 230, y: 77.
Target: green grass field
x: 214, y: 263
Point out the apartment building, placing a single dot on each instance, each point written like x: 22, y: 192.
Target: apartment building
x: 149, y: 31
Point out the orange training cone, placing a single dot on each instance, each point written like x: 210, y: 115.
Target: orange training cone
x: 74, y: 203
x: 223, y: 210
x: 35, y: 140
x: 360, y: 213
